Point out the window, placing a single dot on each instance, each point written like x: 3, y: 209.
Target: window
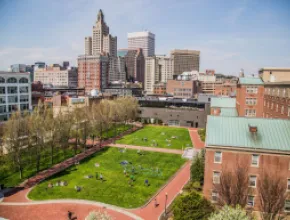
x: 278, y: 92
x: 12, y: 90
x: 2, y: 100
x: 2, y: 80
x: 3, y: 109
x: 251, y: 101
x: 2, y: 90
x: 282, y: 109
x: 24, y: 98
x: 23, y: 80
x: 288, y: 184
x: 250, y: 112
x: 253, y: 180
x: 216, y: 177
x: 12, y: 108
x: 218, y: 157
x: 252, y: 89
x: 277, y: 107
x: 255, y: 160
x: 264, y: 103
x: 287, y: 206
x: 272, y: 105
x: 284, y: 92
x: 12, y: 80
x: 214, y: 196
x: 288, y: 111
x: 24, y: 107
x: 12, y: 99
x: 268, y: 104
x: 251, y: 201
x: 23, y: 89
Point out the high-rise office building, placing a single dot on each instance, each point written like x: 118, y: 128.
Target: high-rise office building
x: 88, y: 46
x: 165, y: 68
x: 144, y: 40
x: 185, y: 60
x: 152, y: 75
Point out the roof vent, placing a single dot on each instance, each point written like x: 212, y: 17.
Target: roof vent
x: 253, y: 129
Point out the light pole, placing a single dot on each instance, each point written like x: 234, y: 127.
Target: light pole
x: 166, y: 196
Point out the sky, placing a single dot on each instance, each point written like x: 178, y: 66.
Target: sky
x: 230, y: 34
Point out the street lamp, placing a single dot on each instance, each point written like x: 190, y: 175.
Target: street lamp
x: 166, y: 196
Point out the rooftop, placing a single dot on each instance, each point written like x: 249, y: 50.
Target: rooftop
x: 275, y: 68
x: 250, y: 81
x: 272, y: 134
x: 229, y: 112
x: 223, y: 102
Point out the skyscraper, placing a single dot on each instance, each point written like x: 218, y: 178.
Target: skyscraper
x: 185, y: 60
x: 88, y: 46
x: 144, y: 40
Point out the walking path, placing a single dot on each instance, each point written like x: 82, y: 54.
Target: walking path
x: 155, y: 149
x: 195, y: 139
x: 17, y: 206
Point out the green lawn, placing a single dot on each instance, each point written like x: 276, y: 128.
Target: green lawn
x: 115, y: 189
x: 159, y: 134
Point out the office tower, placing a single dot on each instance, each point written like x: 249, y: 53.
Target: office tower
x: 165, y: 65
x: 18, y: 68
x: 152, y: 75
x: 144, y: 40
x: 134, y: 64
x: 88, y: 46
x: 65, y: 64
x: 185, y: 60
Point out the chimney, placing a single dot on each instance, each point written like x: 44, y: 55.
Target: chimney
x: 253, y: 129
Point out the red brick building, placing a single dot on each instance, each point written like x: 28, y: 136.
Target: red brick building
x: 277, y: 100
x: 159, y: 89
x: 227, y: 88
x: 250, y: 97
x: 182, y: 88
x: 260, y: 146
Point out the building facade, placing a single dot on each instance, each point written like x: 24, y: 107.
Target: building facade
x: 277, y: 100
x: 182, y: 88
x: 152, y: 75
x: 18, y: 68
x: 165, y: 68
x: 250, y: 97
x: 144, y: 40
x: 88, y: 46
x: 254, y: 147
x: 185, y: 60
x: 93, y: 72
x: 274, y: 74
x: 56, y: 76
x: 225, y: 88
x: 15, y: 93
x: 159, y: 89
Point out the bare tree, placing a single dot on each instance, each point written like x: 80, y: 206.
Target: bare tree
x: 272, y: 190
x: 233, y: 187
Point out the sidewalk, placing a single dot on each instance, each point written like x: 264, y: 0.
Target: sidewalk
x: 195, y: 139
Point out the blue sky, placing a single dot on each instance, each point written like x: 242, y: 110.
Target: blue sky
x: 231, y: 34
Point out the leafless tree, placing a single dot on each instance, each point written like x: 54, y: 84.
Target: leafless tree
x: 272, y: 191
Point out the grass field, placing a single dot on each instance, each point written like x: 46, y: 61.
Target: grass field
x: 159, y: 134
x: 157, y: 168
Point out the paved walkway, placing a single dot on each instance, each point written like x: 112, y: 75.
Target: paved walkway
x: 155, y: 149
x: 195, y: 139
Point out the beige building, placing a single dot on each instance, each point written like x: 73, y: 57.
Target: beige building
x: 88, y: 46
x: 207, y: 83
x: 274, y: 74
x: 185, y: 60
x: 144, y: 40
x: 165, y: 68
x: 151, y: 74
x: 57, y: 76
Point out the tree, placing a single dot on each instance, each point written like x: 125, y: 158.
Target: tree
x: 233, y: 187
x: 230, y: 213
x: 272, y: 195
x: 98, y: 215
x: 192, y: 206
x: 197, y: 167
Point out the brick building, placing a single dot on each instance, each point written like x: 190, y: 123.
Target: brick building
x: 159, y: 89
x: 250, y: 97
x: 223, y: 106
x: 182, y: 88
x: 277, y: 100
x: 226, y: 88
x: 260, y: 146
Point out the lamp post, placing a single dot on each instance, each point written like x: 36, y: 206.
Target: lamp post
x: 166, y: 196
x: 115, y: 127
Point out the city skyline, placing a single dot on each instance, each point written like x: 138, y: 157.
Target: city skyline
x: 230, y: 36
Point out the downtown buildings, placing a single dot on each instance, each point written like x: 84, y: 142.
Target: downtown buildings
x: 144, y: 40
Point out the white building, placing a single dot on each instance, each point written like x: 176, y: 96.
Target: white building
x: 151, y: 74
x: 15, y: 93
x: 144, y: 40
x: 57, y: 77
x: 166, y: 68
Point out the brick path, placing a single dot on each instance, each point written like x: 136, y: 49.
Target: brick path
x: 195, y: 139
x: 33, y: 210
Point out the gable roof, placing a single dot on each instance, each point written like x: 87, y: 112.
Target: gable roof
x: 272, y: 134
x: 250, y: 81
x: 223, y: 102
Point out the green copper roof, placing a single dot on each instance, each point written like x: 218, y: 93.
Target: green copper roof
x: 229, y: 112
x: 272, y: 134
x: 122, y: 53
x: 250, y: 81
x: 223, y: 102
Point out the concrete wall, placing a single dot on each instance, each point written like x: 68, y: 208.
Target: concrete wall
x: 186, y: 117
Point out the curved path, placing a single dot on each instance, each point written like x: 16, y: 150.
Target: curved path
x: 17, y: 206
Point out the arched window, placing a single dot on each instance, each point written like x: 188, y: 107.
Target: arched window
x: 12, y: 80
x: 2, y: 80
x: 23, y: 80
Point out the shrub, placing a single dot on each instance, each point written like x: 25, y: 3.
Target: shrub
x: 197, y: 167
x: 229, y: 213
x: 202, y: 134
x: 192, y: 206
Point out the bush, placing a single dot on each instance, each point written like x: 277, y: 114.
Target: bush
x: 229, y: 213
x: 197, y: 167
x: 192, y: 206
x: 97, y: 215
x: 202, y: 134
